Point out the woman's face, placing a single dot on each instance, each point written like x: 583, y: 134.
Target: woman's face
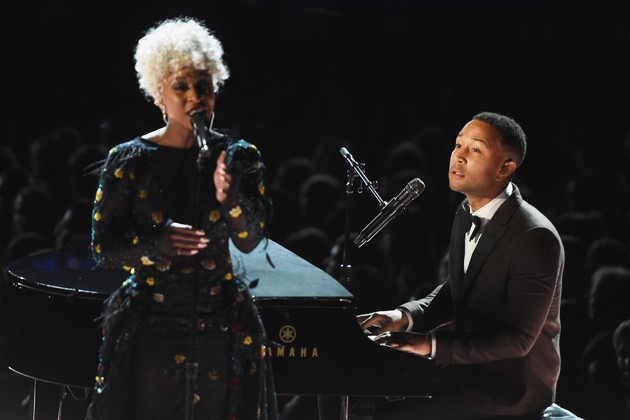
x: 186, y: 91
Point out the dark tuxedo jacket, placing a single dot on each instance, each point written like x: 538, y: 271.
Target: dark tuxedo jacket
x: 497, y: 327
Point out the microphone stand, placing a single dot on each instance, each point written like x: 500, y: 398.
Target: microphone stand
x: 344, y: 269
x: 356, y: 167
x: 192, y: 366
x: 353, y: 168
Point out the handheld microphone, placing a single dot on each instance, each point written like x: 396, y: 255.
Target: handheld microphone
x: 393, y: 208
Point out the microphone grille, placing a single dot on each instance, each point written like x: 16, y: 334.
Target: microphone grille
x: 415, y: 186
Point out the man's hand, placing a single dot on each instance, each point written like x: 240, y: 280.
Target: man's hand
x: 383, y: 321
x: 409, y: 341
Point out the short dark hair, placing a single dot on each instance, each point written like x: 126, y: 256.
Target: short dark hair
x: 511, y: 132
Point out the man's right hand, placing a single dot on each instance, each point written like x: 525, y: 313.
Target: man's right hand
x: 383, y: 321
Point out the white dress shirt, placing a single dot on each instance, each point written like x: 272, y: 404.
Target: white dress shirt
x: 485, y: 214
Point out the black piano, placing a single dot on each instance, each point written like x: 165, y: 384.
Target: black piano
x: 317, y: 348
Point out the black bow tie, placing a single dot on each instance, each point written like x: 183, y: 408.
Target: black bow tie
x: 468, y: 220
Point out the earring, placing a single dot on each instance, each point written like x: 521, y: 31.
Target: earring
x: 211, y: 121
x: 163, y: 109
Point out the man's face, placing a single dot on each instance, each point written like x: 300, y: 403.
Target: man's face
x: 477, y: 163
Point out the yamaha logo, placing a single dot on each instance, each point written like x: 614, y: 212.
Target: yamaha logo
x: 287, y: 334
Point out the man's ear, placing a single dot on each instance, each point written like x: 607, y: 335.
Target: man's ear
x: 507, y: 169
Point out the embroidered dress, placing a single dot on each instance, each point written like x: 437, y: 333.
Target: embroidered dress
x: 146, y: 323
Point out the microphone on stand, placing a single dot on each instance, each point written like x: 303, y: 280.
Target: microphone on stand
x: 346, y: 154
x: 202, y: 129
x: 393, y: 208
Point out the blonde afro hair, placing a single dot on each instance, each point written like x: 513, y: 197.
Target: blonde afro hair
x: 175, y: 43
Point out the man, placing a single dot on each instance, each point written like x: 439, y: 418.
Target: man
x: 493, y: 327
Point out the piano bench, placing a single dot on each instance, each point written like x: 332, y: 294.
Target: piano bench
x: 555, y: 412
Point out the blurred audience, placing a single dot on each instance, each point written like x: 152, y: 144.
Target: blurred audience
x: 35, y: 210
x: 574, y: 278
x: 316, y: 197
x: 609, y: 297
x: 47, y: 188
x: 600, y: 372
x: 8, y: 159
x: 310, y: 243
x: 621, y: 345
x: 606, y: 251
x: 11, y: 182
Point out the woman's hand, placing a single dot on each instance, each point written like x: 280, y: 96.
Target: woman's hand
x: 181, y: 240
x: 222, y: 179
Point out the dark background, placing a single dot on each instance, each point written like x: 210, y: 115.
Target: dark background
x: 371, y: 71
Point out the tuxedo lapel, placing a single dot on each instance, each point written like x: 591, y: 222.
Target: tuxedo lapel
x: 456, y: 253
x: 493, y: 231
x: 488, y: 240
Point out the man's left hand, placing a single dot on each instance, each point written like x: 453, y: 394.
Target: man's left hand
x: 418, y: 343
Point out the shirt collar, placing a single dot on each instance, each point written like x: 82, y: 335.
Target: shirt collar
x: 488, y: 210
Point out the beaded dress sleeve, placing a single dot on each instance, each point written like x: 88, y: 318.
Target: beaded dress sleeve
x: 117, y: 239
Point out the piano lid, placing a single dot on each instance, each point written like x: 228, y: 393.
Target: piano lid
x: 280, y: 273
x: 290, y: 276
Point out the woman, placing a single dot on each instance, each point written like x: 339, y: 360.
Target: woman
x: 165, y: 210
